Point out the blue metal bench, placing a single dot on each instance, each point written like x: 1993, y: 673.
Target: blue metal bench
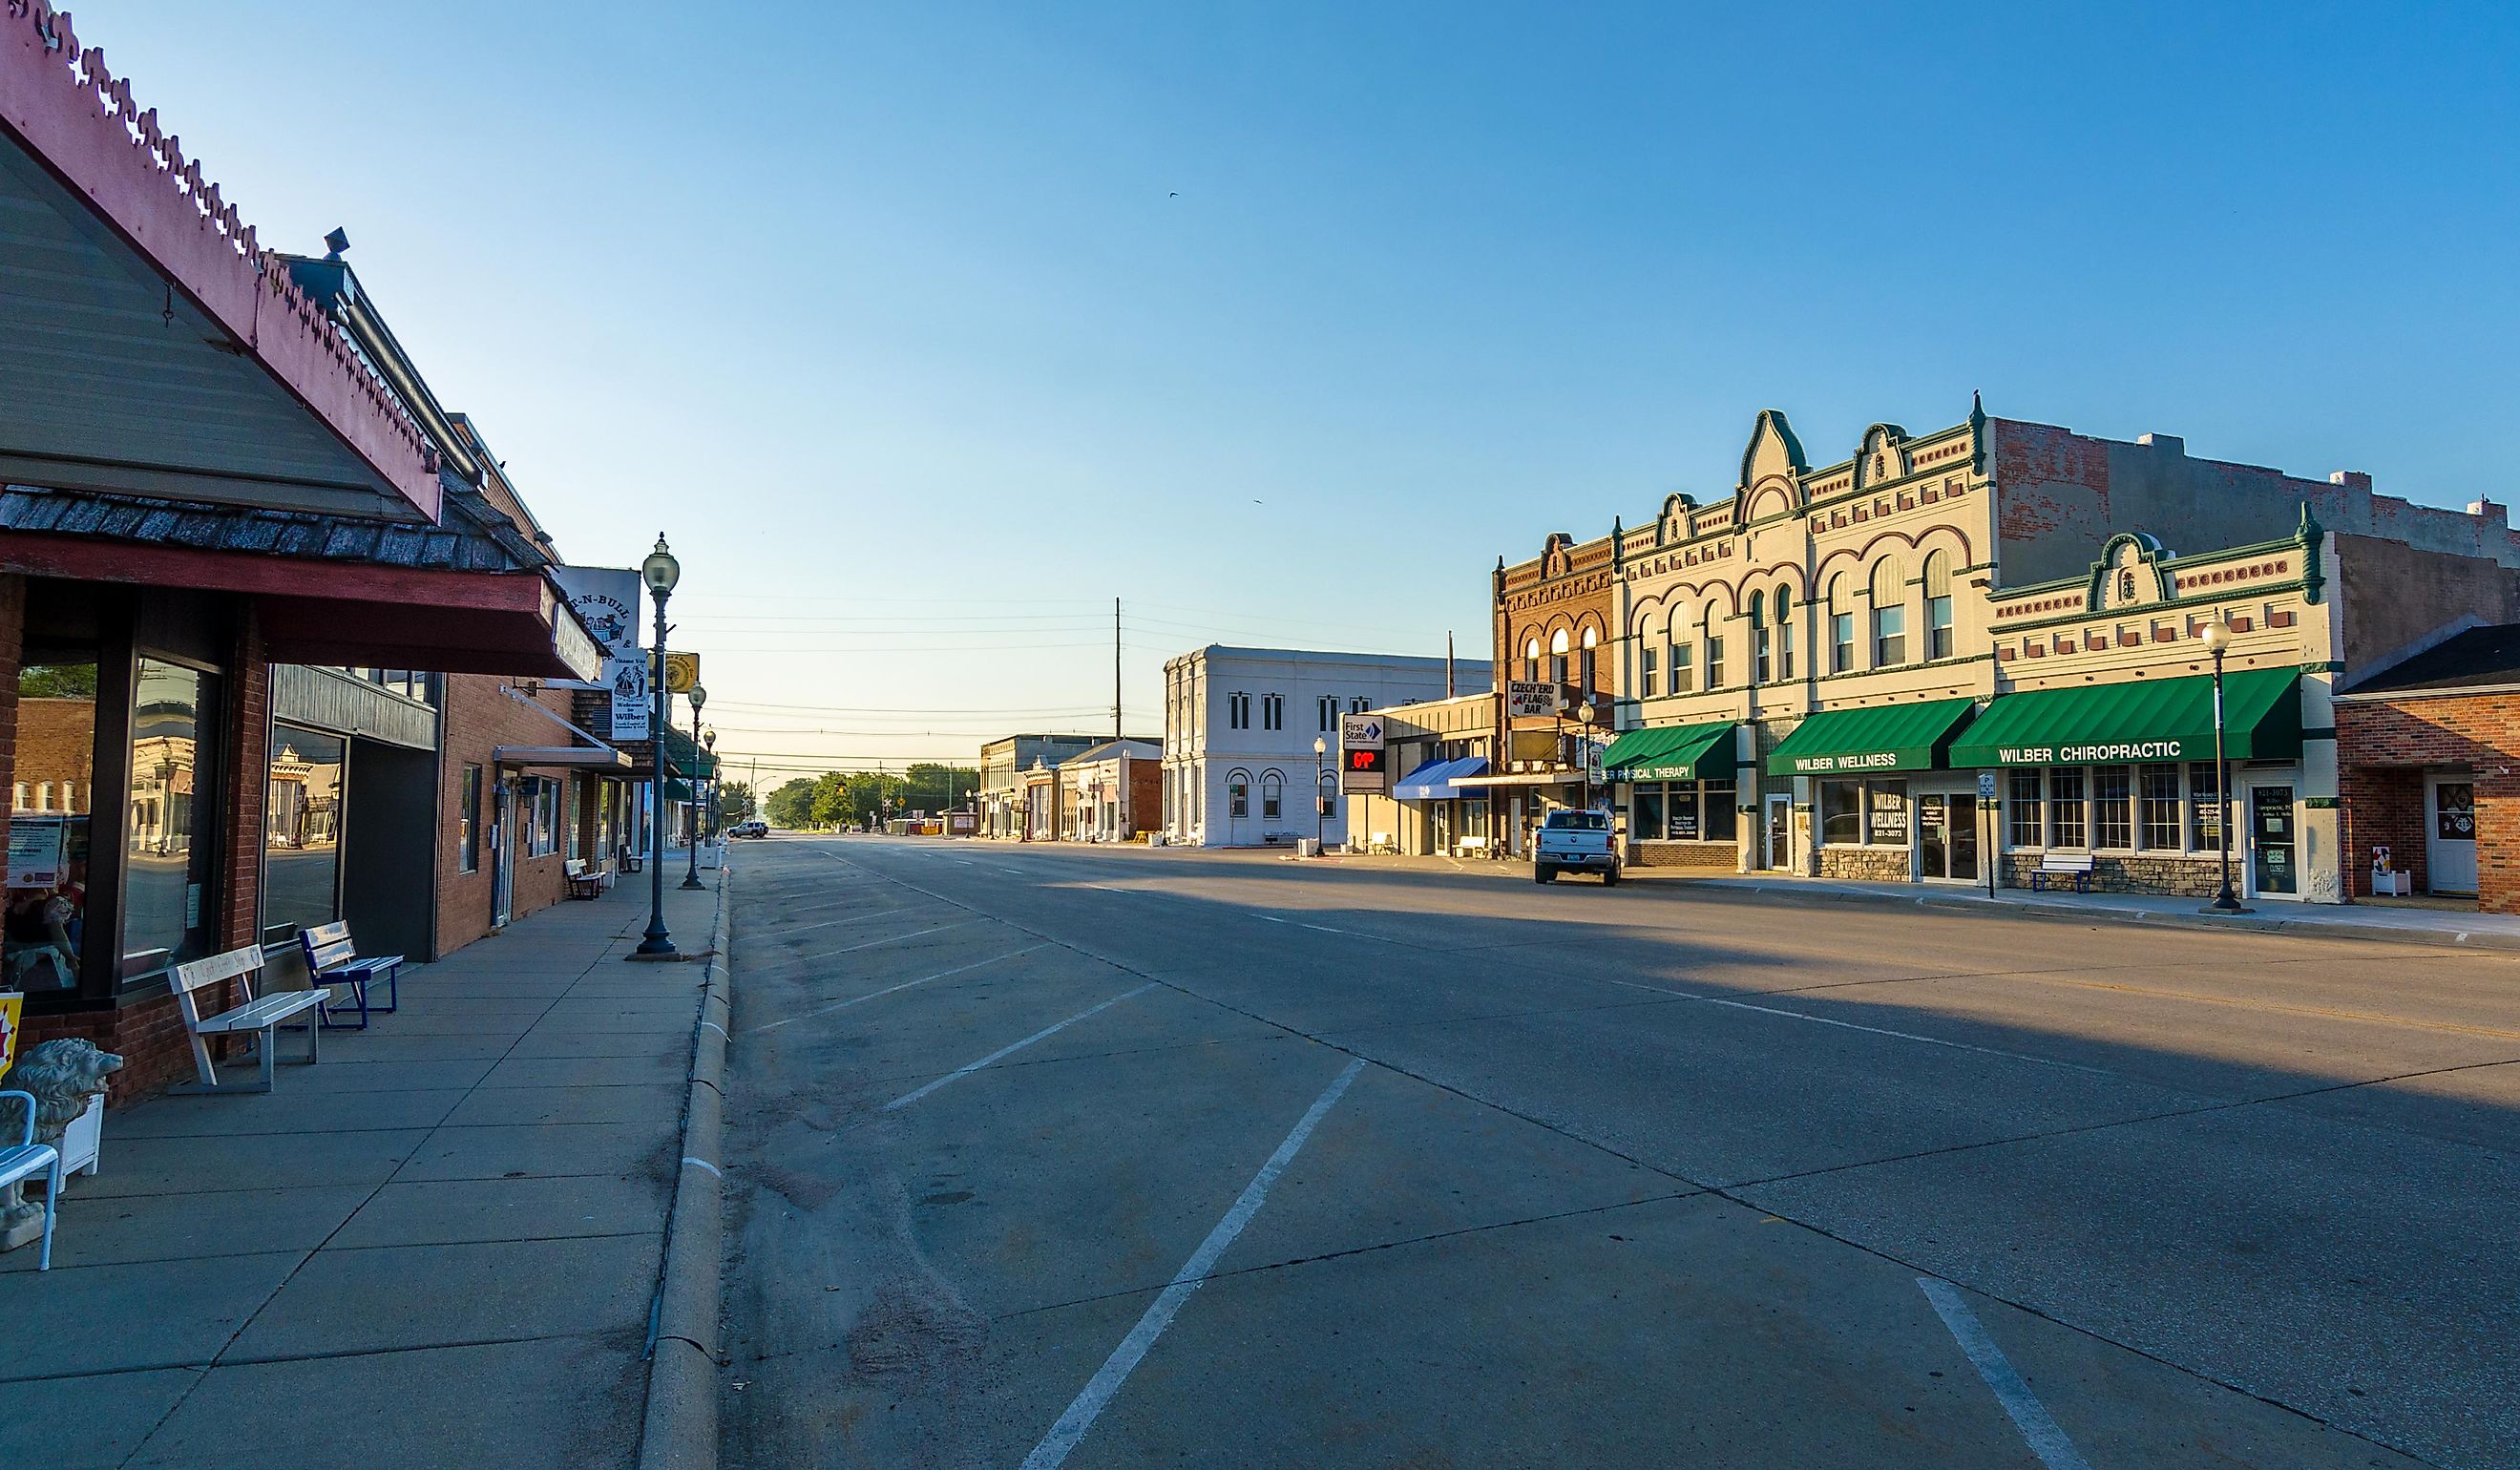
x: 26, y: 1158
x: 333, y: 959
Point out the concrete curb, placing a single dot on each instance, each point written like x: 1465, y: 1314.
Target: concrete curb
x: 680, y: 1429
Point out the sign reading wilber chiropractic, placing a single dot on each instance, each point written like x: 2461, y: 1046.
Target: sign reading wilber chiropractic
x: 2114, y: 754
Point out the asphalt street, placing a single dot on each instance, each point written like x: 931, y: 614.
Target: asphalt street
x: 1046, y: 1155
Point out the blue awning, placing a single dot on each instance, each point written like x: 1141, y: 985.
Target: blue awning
x: 1433, y: 781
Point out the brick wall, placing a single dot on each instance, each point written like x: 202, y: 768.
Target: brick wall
x: 1871, y: 864
x: 1701, y: 856
x: 2382, y: 750
x: 478, y: 720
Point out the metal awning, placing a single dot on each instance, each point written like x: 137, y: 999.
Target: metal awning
x: 2139, y: 720
x: 1523, y: 779
x: 1888, y: 737
x: 605, y: 758
x: 1433, y: 781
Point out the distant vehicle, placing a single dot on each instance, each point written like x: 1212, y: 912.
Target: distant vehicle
x: 1576, y: 842
x: 756, y: 828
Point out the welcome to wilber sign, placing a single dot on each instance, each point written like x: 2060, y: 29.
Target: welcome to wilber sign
x: 2098, y: 755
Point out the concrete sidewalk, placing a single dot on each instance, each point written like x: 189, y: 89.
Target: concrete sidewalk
x: 439, y: 1246
x: 2408, y: 923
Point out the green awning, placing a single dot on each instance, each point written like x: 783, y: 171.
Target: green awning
x: 1893, y: 737
x: 2141, y: 720
x: 1671, y: 752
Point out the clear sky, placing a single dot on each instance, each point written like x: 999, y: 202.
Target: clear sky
x: 925, y: 330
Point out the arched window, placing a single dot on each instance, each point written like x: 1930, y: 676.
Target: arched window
x: 1558, y: 656
x: 1889, y: 614
x: 1841, y: 625
x: 1762, y: 650
x: 1237, y: 793
x: 1648, y: 661
x: 1784, y: 633
x: 1273, y: 795
x: 1531, y: 661
x: 1938, y: 605
x: 1591, y: 639
x: 1713, y: 645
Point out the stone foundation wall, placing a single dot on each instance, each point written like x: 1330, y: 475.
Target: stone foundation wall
x: 2175, y: 877
x: 1701, y: 857
x: 1869, y: 865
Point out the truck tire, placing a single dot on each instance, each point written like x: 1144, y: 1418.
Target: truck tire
x: 1541, y: 872
x: 1610, y: 878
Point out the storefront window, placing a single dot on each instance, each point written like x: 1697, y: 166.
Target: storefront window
x: 1841, y: 813
x: 166, y: 849
x: 1644, y: 813
x: 2065, y: 808
x: 2023, y: 811
x: 2204, y: 807
x: 1885, y: 821
x: 468, y: 818
x: 2112, y: 806
x: 302, y: 831
x: 48, y: 825
x: 1722, y: 822
x: 2161, y: 806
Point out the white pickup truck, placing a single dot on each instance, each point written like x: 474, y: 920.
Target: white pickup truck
x: 1576, y: 842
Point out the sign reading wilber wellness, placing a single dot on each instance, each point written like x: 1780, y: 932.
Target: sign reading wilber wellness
x: 1865, y: 760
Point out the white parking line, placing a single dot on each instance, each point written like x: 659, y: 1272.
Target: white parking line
x: 907, y: 1098
x: 1064, y: 1435
x: 1904, y: 1036
x: 821, y: 1011
x: 2046, y: 1440
x: 888, y: 938
x: 834, y: 924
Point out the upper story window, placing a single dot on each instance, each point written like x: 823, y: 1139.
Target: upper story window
x: 1238, y: 712
x: 1325, y: 709
x: 1938, y: 605
x: 1684, y: 678
x: 1273, y: 711
x: 1358, y: 705
x: 1558, y: 656
x: 1531, y: 661
x: 1648, y: 673
x: 1762, y: 655
x: 1889, y: 614
x: 1784, y: 633
x: 1592, y: 642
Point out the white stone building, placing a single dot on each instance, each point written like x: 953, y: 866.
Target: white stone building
x: 1240, y: 727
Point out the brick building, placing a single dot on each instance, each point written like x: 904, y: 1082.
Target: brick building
x: 1554, y: 686
x: 245, y: 488
x: 2428, y: 748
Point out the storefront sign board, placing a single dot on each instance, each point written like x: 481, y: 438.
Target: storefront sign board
x: 35, y: 851
x: 627, y: 674
x: 1528, y: 699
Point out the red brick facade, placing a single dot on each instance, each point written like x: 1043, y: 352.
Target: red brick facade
x: 478, y: 719
x: 2383, y: 749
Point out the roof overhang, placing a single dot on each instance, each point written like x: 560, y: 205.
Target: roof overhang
x: 153, y: 346
x: 602, y: 758
x: 341, y: 612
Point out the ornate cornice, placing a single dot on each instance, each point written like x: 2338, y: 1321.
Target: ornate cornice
x: 60, y: 100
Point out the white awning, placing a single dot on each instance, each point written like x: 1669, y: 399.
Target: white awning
x: 600, y: 757
x: 1527, y: 779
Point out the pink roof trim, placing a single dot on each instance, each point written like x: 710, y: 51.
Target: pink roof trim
x: 79, y: 118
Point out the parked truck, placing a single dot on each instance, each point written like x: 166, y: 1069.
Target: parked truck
x: 1576, y: 842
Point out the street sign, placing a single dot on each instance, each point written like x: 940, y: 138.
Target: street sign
x: 682, y: 672
x: 1986, y: 785
x: 1529, y: 699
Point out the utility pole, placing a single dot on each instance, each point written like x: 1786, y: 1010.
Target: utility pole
x: 1448, y: 663
x: 1115, y: 668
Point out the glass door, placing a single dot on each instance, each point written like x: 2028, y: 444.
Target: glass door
x: 2273, y: 860
x: 1946, y: 836
x: 1780, y: 832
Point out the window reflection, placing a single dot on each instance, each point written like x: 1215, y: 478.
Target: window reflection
x: 167, y: 868
x: 301, y: 832
x: 48, y: 825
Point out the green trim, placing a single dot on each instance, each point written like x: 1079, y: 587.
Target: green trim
x: 1955, y: 661
x: 1861, y: 741
x: 2331, y: 666
x: 2138, y: 720
x: 2323, y: 733
x: 2010, y: 627
x: 2320, y: 803
x: 1671, y: 752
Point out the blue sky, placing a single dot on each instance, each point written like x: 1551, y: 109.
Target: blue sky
x: 925, y: 330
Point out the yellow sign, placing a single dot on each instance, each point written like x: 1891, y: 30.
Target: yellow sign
x: 681, y: 671
x: 10, y: 1002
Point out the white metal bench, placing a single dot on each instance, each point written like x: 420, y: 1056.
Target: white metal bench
x: 2076, y: 866
x: 585, y: 880
x: 261, y: 1015
x: 1470, y: 847
x: 26, y: 1158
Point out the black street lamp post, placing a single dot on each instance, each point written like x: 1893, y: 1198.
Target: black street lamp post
x: 699, y: 696
x: 2218, y: 642
x: 660, y: 571
x: 1321, y: 803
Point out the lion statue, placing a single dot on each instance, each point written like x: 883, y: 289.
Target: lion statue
x: 62, y: 1076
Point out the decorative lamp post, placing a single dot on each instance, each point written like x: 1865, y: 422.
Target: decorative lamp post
x: 2218, y: 642
x: 1584, y: 749
x: 716, y: 815
x: 660, y: 571
x: 1321, y: 803
x: 699, y: 696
